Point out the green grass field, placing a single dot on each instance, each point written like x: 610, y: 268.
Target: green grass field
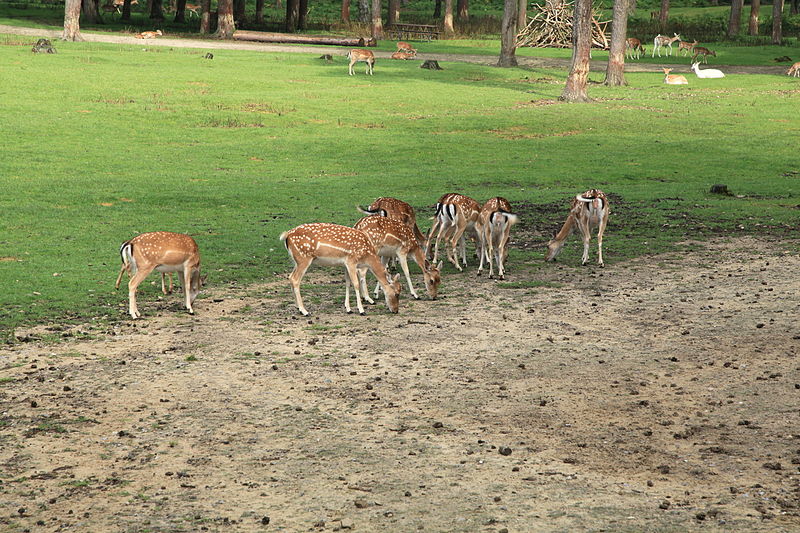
x: 102, y: 142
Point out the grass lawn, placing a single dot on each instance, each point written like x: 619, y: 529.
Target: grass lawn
x: 103, y: 142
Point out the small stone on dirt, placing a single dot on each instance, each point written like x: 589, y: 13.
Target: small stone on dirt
x: 505, y: 450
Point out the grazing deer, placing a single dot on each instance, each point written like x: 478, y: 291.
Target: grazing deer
x: 192, y: 8
x: 402, y: 55
x: 331, y: 244
x: 398, y: 210
x: 148, y: 34
x: 496, y: 220
x: 355, y: 55
x: 674, y: 79
x: 406, y: 48
x: 685, y: 46
x: 794, y: 70
x: 662, y: 40
x: 589, y: 210
x: 455, y: 215
x: 393, y: 239
x: 164, y: 252
x: 707, y: 73
x: 705, y: 52
x: 110, y: 8
x: 633, y: 48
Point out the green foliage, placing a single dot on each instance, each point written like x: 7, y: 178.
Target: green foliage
x: 109, y: 141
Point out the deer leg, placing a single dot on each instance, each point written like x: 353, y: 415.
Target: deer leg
x: 402, y: 259
x: 587, y: 237
x: 119, y: 278
x: 133, y: 284
x: 458, y: 232
x: 187, y: 287
x: 362, y: 279
x: 297, y: 274
x: 351, y: 66
x: 484, y: 257
x: 600, y: 232
x: 352, y: 278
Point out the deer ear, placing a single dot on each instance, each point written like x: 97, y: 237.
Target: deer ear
x: 439, y: 266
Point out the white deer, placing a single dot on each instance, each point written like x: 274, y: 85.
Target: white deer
x: 707, y: 73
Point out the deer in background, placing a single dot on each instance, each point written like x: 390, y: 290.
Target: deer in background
x: 394, y: 240
x: 355, y: 55
x: 331, y: 244
x: 633, y: 48
x: 662, y: 40
x: 589, y: 210
x: 674, y: 79
x: 164, y: 252
x: 496, y: 220
x: 455, y: 215
x: 705, y: 52
x: 794, y: 70
x: 685, y: 46
x: 401, y: 55
x: 406, y: 49
x: 149, y: 34
x: 398, y: 210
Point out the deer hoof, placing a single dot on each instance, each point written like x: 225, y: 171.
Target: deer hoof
x: 502, y: 277
x: 362, y: 313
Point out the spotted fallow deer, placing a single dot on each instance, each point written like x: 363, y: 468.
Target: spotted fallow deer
x: 633, y: 48
x: 674, y: 79
x: 686, y: 46
x: 589, y: 210
x: 397, y: 210
x: 393, y: 239
x: 662, y: 40
x: 356, y: 54
x: 164, y: 252
x: 406, y: 49
x: 794, y: 70
x: 496, y: 219
x: 331, y: 244
x: 149, y: 34
x: 455, y: 215
x: 702, y: 51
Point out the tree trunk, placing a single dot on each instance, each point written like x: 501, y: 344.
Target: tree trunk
x: 575, y: 89
x: 157, y: 11
x: 663, y: 17
x: 345, y: 10
x: 90, y: 11
x: 777, y: 21
x: 377, y: 22
x: 752, y: 25
x: 238, y: 10
x: 522, y: 15
x: 394, y: 12
x: 447, y: 24
x: 259, y: 11
x: 126, y: 11
x: 292, y: 15
x: 508, y: 35
x: 72, y: 21
x: 794, y: 9
x: 437, y: 9
x: 225, y: 24
x: 615, y: 71
x: 205, y: 16
x: 302, y: 20
x: 363, y: 11
x: 180, y: 11
x: 735, y: 20
x: 462, y: 7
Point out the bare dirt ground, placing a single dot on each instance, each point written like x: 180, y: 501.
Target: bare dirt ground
x: 213, y: 44
x: 656, y: 395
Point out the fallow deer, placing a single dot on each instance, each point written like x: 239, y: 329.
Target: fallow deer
x: 355, y: 55
x: 685, y: 46
x: 402, y: 55
x: 455, y: 215
x: 393, y: 239
x: 331, y: 244
x: 633, y: 48
x: 406, y: 48
x: 707, y: 73
x: 702, y: 51
x: 398, y: 210
x: 674, y: 79
x: 496, y: 219
x: 662, y: 40
x: 164, y: 252
x: 149, y: 34
x: 589, y: 210
x: 794, y: 70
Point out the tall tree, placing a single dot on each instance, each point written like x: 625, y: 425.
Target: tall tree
x: 735, y: 20
x: 377, y: 22
x: 777, y: 21
x: 663, y: 16
x: 522, y: 15
x: 394, y: 12
x: 795, y: 7
x: 615, y: 71
x: 447, y: 24
x: 260, y: 11
x: 157, y: 10
x: 752, y: 25
x: 225, y: 24
x: 205, y: 16
x: 302, y: 20
x: 363, y: 11
x: 292, y: 15
x: 72, y: 21
x: 91, y: 11
x: 508, y: 35
x: 180, y: 11
x: 345, y: 10
x: 238, y: 10
x: 575, y: 88
x: 437, y: 9
x: 462, y: 8
x: 126, y: 11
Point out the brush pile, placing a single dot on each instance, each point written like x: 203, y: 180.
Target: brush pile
x: 551, y: 27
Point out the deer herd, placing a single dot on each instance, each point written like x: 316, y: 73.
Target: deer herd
x: 388, y: 232
x: 635, y: 50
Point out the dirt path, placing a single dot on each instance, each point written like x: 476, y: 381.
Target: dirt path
x: 659, y: 395
x: 211, y: 44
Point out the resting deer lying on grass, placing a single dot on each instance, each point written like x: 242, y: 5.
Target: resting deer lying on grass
x: 496, y: 220
x: 149, y: 34
x: 707, y: 73
x: 402, y: 55
x: 164, y: 252
x: 331, y: 244
x: 674, y: 79
x: 589, y: 210
x: 406, y: 48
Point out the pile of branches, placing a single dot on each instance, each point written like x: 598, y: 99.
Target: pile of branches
x: 551, y: 27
